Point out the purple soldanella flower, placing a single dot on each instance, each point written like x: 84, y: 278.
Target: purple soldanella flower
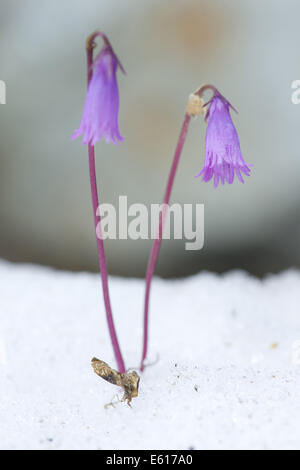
x: 101, y: 107
x: 223, y: 156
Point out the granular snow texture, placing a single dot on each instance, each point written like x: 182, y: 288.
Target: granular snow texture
x: 227, y: 375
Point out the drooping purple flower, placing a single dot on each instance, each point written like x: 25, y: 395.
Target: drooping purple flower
x: 101, y: 107
x: 223, y: 156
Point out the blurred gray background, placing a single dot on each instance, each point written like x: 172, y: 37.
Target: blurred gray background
x: 248, y: 49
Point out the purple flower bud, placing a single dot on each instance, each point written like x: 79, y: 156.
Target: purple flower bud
x: 101, y: 107
x: 223, y: 155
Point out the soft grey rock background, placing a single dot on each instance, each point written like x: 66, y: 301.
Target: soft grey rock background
x: 247, y: 49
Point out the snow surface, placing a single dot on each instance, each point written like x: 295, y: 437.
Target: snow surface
x: 228, y: 374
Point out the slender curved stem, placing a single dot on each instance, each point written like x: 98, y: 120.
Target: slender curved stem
x: 97, y: 221
x: 157, y: 242
x: 206, y: 87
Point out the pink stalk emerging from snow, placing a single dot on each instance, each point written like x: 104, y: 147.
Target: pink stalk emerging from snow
x: 100, y: 118
x: 157, y: 242
x: 223, y: 159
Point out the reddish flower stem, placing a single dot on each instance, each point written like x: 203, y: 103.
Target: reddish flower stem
x: 157, y: 241
x: 97, y: 221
